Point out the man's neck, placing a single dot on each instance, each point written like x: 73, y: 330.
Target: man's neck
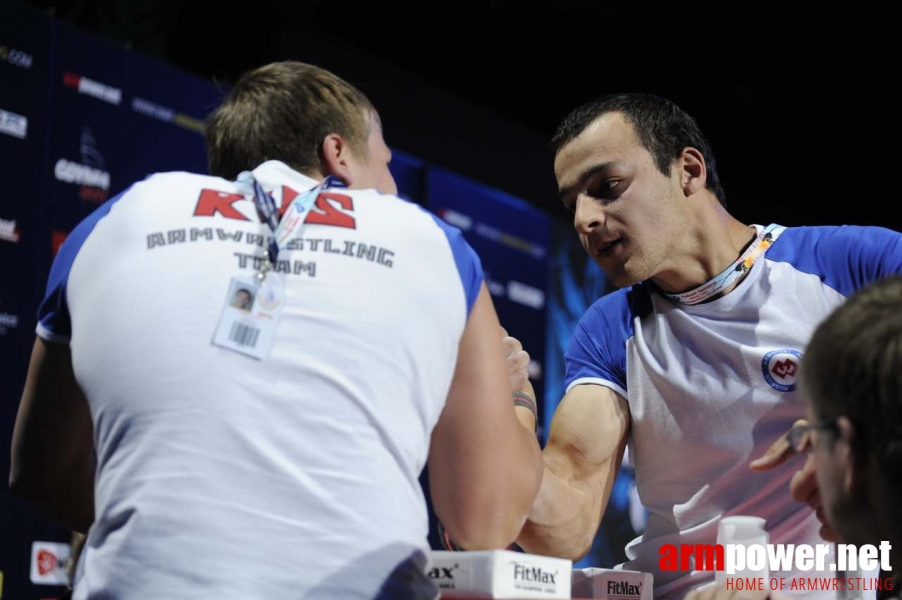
x: 714, y: 247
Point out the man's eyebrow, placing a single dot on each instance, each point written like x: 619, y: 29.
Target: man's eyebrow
x: 583, y: 177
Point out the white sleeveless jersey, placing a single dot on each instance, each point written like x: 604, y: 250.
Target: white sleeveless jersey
x: 223, y: 476
x: 711, y: 386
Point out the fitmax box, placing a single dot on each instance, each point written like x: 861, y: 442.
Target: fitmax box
x: 612, y: 584
x: 500, y: 574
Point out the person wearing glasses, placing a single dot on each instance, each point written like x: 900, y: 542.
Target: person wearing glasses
x: 851, y: 379
x: 693, y: 362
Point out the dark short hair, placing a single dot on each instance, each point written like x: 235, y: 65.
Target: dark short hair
x: 853, y: 368
x: 283, y: 111
x: 663, y: 128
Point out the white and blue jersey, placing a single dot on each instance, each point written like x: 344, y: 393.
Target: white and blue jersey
x: 224, y: 476
x: 711, y: 386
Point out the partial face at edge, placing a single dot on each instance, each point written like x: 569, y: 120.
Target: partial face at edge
x: 846, y: 511
x: 371, y: 171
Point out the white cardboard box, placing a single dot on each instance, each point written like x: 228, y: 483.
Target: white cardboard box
x: 612, y: 584
x: 500, y: 574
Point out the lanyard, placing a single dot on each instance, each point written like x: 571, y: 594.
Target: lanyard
x: 728, y: 276
x: 291, y: 223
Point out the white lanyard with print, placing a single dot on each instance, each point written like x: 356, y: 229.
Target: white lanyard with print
x: 254, y: 305
x: 714, y: 286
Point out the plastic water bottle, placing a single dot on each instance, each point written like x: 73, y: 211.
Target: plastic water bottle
x: 747, y: 532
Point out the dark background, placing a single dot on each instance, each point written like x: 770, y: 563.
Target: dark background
x: 796, y: 100
x: 798, y: 106
x: 42, y: 60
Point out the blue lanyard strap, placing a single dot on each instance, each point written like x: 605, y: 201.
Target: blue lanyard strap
x: 269, y: 213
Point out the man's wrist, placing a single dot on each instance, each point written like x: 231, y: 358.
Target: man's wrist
x: 526, y: 401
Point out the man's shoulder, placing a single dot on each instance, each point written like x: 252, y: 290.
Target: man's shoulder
x: 830, y: 241
x: 172, y: 186
x: 182, y: 180
x: 831, y: 234
x: 617, y: 310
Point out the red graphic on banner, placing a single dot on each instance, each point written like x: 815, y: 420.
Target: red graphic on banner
x: 56, y: 240
x: 71, y: 80
x: 93, y: 194
x: 46, y: 562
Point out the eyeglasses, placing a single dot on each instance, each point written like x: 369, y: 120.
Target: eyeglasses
x: 801, y: 438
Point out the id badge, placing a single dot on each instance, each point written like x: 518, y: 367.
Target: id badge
x: 250, y: 316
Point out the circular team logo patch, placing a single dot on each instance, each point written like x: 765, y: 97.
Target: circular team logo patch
x: 781, y: 368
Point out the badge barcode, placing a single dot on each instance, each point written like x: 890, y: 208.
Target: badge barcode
x: 244, y: 335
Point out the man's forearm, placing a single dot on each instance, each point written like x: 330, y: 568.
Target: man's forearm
x: 582, y: 458
x: 563, y: 520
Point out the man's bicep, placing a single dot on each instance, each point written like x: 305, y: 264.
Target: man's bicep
x: 479, y: 412
x: 588, y: 435
x: 484, y: 466
x: 479, y: 387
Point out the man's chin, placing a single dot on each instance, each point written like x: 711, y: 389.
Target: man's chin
x: 619, y: 278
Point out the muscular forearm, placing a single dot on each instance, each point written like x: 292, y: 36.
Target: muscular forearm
x: 527, y: 481
x: 492, y: 516
x: 582, y: 457
x: 563, y: 519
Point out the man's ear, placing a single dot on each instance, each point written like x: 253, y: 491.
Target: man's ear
x: 693, y: 171
x: 337, y: 158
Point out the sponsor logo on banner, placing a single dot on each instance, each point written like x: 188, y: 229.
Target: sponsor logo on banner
x: 8, y: 231
x: 525, y: 295
x: 95, y: 89
x: 48, y: 563
x: 8, y: 322
x: 510, y: 240
x: 466, y: 223
x: 57, y: 237
x: 81, y: 174
x: 459, y: 220
x: 90, y: 174
x: 16, y: 57
x: 13, y: 124
x: 167, y: 115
